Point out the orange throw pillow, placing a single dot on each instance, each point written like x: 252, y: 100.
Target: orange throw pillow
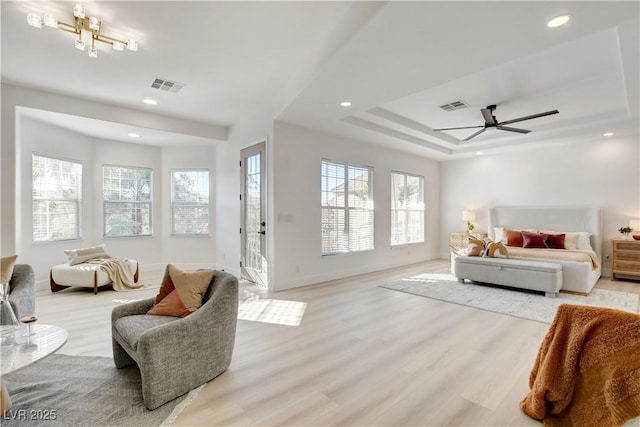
x: 181, y: 292
x: 514, y: 237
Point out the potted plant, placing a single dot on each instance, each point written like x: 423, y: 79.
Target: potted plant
x: 625, y: 231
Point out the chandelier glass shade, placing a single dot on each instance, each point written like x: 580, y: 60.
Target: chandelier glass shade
x: 82, y: 24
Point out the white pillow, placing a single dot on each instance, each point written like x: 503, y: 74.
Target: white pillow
x: 78, y: 256
x: 584, y: 241
x: 498, y: 234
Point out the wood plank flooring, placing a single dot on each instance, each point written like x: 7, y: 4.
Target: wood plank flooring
x: 362, y: 355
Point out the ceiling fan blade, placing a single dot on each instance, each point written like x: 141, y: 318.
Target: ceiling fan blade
x: 465, y: 127
x: 488, y: 116
x: 512, y: 129
x: 533, y: 116
x: 475, y: 134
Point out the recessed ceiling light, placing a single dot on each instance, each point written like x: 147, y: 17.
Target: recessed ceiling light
x: 558, y: 21
x: 150, y: 101
x: 345, y: 104
x: 133, y: 135
x: 479, y: 153
x: 608, y: 134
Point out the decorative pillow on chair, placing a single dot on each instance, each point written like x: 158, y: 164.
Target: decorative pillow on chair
x: 6, y: 268
x: 78, y: 256
x: 475, y: 248
x: 496, y: 250
x: 534, y: 240
x: 181, y: 292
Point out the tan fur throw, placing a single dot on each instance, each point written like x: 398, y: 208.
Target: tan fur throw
x: 475, y: 247
x: 587, y: 371
x: 496, y: 250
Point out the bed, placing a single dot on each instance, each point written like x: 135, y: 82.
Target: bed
x: 577, y: 276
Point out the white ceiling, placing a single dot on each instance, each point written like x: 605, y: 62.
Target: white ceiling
x: 396, y: 61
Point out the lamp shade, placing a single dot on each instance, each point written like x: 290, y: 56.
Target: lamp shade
x: 634, y: 224
x: 468, y: 216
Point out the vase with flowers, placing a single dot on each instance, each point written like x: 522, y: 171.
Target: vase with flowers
x: 625, y: 231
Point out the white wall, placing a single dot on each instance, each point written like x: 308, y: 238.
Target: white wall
x: 52, y: 141
x: 189, y: 252
x: 22, y: 135
x: 602, y: 172
x: 249, y: 131
x: 298, y: 260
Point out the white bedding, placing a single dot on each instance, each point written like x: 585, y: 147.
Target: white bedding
x: 577, y: 276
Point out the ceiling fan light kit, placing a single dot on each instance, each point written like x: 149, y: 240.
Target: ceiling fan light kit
x: 490, y: 121
x: 90, y: 24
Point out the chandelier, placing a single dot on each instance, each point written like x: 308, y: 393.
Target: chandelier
x: 82, y: 22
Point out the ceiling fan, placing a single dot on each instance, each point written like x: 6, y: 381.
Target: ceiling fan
x: 490, y: 121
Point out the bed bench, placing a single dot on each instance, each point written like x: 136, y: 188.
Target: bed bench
x: 524, y: 274
x: 86, y: 275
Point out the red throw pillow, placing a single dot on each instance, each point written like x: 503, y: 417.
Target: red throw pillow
x: 534, y: 240
x: 514, y: 237
x: 555, y: 241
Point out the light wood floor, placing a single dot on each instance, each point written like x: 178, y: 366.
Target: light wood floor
x: 363, y: 355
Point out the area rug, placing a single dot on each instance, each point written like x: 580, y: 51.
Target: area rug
x: 517, y: 303
x: 62, y: 390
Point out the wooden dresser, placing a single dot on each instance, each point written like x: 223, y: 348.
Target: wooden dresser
x: 625, y: 258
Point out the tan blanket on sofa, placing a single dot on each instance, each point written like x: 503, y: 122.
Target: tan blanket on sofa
x: 587, y: 372
x: 119, y: 271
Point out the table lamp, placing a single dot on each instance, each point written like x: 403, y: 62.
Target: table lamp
x: 469, y: 216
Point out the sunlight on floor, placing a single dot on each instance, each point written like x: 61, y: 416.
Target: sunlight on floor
x: 279, y: 312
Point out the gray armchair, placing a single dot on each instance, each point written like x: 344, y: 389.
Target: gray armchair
x: 22, y: 293
x: 176, y: 355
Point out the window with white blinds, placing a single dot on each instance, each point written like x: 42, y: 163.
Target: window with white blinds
x: 56, y: 198
x: 127, y: 201
x: 347, y: 207
x: 190, y: 202
x: 407, y: 208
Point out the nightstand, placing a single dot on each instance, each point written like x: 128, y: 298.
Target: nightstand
x: 625, y: 258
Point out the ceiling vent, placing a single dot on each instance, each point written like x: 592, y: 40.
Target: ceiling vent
x: 455, y: 105
x: 166, y: 85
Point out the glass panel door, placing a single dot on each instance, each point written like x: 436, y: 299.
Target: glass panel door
x: 254, y: 265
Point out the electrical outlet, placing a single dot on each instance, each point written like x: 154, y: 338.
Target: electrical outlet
x: 606, y: 258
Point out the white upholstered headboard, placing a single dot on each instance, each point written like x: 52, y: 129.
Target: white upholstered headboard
x: 550, y: 218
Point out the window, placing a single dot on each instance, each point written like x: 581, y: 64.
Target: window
x: 190, y: 202
x: 347, y: 208
x: 56, y: 196
x: 407, y: 208
x: 127, y: 201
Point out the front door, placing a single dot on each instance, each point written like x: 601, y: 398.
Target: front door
x: 253, y: 260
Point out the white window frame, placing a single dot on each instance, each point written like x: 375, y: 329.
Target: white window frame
x: 401, y: 229
x: 64, y: 193
x: 348, y: 242
x: 143, y: 203
x: 202, y: 205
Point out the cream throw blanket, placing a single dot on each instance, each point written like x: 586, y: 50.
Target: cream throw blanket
x: 119, y: 271
x: 578, y: 255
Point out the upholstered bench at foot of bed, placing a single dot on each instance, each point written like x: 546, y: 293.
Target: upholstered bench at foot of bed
x: 524, y: 274
x: 84, y: 275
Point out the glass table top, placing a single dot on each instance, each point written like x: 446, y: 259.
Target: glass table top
x: 24, y: 350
